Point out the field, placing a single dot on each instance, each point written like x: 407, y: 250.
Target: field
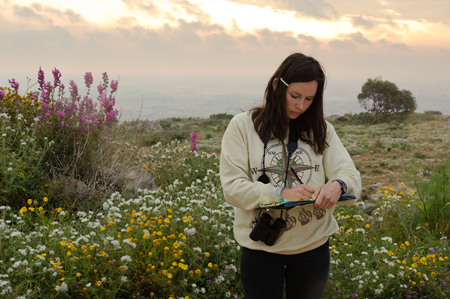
x: 176, y: 241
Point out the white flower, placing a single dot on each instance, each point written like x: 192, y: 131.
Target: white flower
x: 205, y: 218
x: 124, y: 279
x: 9, y: 169
x: 126, y: 258
x: 203, y: 290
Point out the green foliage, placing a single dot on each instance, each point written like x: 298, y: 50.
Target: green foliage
x: 434, y: 199
x: 384, y: 98
x: 221, y: 116
x: 168, y: 164
x: 164, y: 137
x: 21, y: 156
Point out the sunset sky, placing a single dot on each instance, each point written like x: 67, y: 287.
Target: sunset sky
x: 398, y: 39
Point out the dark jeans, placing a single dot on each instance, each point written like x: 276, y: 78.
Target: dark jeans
x: 263, y: 273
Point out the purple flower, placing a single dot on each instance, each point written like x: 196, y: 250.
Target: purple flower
x: 14, y: 84
x: 194, y: 136
x: 431, y: 249
x: 100, y: 89
x: 114, y: 85
x: 56, y: 76
x: 88, y: 79
x: 208, y: 281
x: 41, y: 79
x: 2, y: 94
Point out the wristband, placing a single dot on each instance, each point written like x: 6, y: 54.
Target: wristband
x: 274, y: 192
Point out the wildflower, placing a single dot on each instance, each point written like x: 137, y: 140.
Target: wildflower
x: 99, y: 283
x: 30, y: 201
x: 45, y: 199
x: 78, y: 274
x: 88, y: 79
x: 194, y: 136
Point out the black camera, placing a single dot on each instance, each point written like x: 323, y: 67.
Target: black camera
x: 267, y: 230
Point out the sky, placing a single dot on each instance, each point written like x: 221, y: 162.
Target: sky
x: 400, y: 40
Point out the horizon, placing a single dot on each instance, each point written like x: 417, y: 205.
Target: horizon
x: 407, y: 43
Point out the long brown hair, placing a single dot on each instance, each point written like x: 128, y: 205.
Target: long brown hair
x: 271, y: 117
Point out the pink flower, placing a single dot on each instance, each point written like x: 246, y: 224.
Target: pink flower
x: 88, y: 80
x: 14, y: 84
x: 194, y: 136
x: 114, y: 85
x: 56, y: 76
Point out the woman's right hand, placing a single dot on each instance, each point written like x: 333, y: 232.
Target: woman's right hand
x: 300, y: 192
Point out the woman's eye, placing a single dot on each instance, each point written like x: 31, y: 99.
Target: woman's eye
x: 294, y: 97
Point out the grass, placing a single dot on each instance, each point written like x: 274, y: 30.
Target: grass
x: 177, y: 241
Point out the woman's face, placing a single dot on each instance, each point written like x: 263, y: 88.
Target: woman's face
x: 299, y: 96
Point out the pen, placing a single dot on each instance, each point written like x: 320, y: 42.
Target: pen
x: 296, y: 176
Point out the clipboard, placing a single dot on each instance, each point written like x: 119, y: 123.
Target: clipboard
x: 287, y: 205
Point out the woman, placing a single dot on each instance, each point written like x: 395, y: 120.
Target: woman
x: 257, y: 167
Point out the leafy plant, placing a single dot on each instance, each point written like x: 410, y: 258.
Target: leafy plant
x: 434, y: 200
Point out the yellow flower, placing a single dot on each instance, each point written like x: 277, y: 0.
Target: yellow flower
x: 35, y: 203
x: 210, y: 265
x: 63, y: 243
x: 102, y: 228
x: 22, y: 210
x: 31, y: 209
x: 367, y: 225
x: 69, y: 253
x: 407, y: 243
x: 30, y: 201
x: 45, y: 199
x: 207, y: 254
x: 413, y: 283
x: 414, y: 265
x: 78, y: 274
x: 62, y: 278
x: 99, y: 283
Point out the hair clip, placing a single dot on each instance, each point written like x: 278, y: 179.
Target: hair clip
x: 284, y: 82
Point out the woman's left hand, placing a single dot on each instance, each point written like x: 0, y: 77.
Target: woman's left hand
x: 327, y: 195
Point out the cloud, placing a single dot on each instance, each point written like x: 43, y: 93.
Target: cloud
x: 148, y: 7
x: 365, y: 13
x: 192, y: 10
x: 45, y: 15
x: 397, y: 46
x: 349, y: 41
x: 400, y: 47
x: 308, y: 40
x: 359, y: 38
x: 317, y: 9
x: 342, y: 44
x: 23, y: 12
x: 364, y: 22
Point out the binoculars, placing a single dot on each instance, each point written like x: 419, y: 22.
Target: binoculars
x: 267, y: 230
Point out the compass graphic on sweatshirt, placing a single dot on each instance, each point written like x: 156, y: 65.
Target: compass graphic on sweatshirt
x: 276, y: 163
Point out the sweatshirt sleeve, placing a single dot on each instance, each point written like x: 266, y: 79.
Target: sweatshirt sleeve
x: 240, y: 188
x: 338, y: 164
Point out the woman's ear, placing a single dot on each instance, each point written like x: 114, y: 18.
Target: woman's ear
x: 274, y: 83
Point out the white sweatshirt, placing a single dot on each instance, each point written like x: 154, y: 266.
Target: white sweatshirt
x: 241, y: 165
